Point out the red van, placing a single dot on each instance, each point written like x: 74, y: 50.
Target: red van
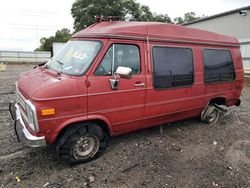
x: 115, y: 77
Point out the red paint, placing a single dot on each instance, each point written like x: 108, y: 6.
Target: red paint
x: 90, y: 97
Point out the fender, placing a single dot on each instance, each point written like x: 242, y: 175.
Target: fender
x: 51, y: 139
x: 68, y: 122
x: 104, y: 119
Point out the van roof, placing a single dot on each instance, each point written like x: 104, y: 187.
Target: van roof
x: 154, y: 31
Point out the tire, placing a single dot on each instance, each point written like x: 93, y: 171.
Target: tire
x: 81, y: 143
x: 210, y: 114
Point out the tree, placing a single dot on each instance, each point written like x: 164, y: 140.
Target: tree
x: 62, y: 35
x: 188, y: 17
x: 144, y: 14
x: 162, y: 18
x: 83, y: 12
x: 178, y: 20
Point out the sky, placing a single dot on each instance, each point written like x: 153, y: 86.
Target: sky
x: 24, y: 22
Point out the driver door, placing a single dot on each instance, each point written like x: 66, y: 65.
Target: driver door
x: 123, y: 107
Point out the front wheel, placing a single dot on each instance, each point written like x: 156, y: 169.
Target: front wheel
x: 81, y: 143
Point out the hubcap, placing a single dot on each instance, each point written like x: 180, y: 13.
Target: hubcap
x: 212, y: 116
x: 86, y: 146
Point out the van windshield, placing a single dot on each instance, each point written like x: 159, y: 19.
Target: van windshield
x: 75, y: 57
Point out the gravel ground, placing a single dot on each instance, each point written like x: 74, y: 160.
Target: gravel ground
x: 182, y: 154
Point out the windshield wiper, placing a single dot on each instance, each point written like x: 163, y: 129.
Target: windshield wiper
x: 46, y: 66
x: 61, y: 64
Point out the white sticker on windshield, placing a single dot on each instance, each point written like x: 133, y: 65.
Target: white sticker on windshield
x: 80, y: 55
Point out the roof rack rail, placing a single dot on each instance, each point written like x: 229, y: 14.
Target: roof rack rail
x: 107, y: 18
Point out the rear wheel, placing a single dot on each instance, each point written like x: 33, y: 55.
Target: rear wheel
x: 81, y: 143
x: 210, y: 114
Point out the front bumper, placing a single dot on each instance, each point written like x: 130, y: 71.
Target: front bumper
x: 22, y: 133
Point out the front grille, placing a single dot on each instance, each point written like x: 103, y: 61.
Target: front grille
x: 27, y: 111
x: 20, y: 100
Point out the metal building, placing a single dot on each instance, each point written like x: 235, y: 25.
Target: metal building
x: 233, y: 23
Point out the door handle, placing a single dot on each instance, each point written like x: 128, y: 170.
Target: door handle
x: 139, y: 84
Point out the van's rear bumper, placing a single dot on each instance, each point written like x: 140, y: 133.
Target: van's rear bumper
x: 22, y: 133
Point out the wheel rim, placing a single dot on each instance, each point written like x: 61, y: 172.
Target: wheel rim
x: 86, y: 146
x: 212, y: 116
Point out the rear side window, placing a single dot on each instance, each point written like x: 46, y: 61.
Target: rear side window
x: 218, y: 66
x: 126, y: 55
x: 173, y: 67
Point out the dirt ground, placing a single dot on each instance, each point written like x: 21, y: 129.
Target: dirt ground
x: 183, y: 154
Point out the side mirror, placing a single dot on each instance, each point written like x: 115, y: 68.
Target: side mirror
x: 114, y: 83
x: 121, y: 72
x: 124, y: 72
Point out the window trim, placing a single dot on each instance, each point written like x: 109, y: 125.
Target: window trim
x: 121, y: 43
x: 153, y: 67
x: 203, y: 62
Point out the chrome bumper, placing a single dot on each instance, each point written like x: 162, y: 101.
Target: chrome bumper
x: 22, y: 133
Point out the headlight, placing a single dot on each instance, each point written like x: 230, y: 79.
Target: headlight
x: 32, y: 116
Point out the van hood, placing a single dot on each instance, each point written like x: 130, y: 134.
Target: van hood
x: 41, y: 84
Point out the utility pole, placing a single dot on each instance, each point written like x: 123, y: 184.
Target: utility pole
x: 37, y: 36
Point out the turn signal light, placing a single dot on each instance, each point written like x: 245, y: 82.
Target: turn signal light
x: 47, y: 112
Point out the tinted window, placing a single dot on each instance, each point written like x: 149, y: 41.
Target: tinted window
x: 218, y: 66
x: 120, y: 55
x: 173, y: 67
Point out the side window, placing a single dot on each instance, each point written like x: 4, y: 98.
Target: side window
x: 218, y: 66
x: 125, y: 55
x: 173, y: 67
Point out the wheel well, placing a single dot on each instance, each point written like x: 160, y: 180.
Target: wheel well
x: 218, y: 100
x: 103, y: 125
x: 75, y: 125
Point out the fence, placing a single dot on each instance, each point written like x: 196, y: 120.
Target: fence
x: 24, y: 57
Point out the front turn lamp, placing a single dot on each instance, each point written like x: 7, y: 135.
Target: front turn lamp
x: 48, y: 112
